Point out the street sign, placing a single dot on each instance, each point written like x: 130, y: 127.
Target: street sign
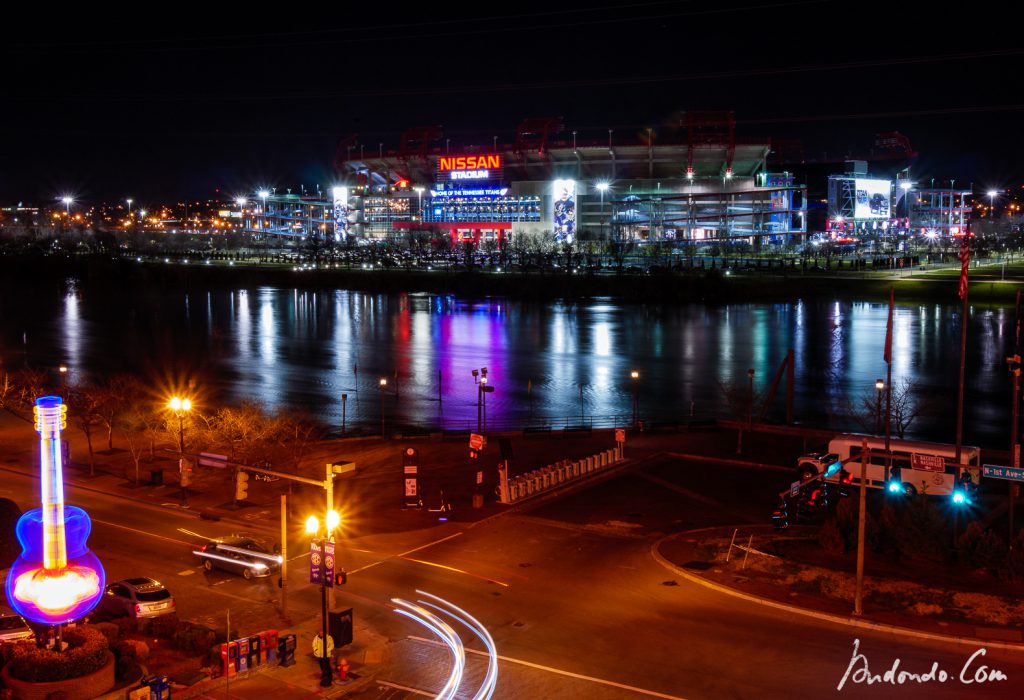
x: 476, y: 442
x: 342, y: 467
x: 993, y: 471
x: 410, y: 467
x: 479, y: 477
x: 794, y: 489
x: 315, y: 562
x: 930, y: 463
x: 620, y: 435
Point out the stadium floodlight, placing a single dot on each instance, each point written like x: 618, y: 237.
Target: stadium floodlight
x: 602, y: 186
x: 906, y: 185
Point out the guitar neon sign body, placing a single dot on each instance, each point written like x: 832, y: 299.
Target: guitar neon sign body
x: 56, y: 579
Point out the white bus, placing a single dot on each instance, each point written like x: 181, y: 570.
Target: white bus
x: 927, y: 467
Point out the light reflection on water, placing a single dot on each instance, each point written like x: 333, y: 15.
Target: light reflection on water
x: 300, y: 349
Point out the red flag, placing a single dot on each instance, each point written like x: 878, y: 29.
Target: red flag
x: 965, y: 261
x: 888, y: 329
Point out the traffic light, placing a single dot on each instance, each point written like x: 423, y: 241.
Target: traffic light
x: 241, y: 486
x: 780, y: 516
x: 474, y: 453
x: 894, y: 485
x: 845, y: 479
x: 340, y: 577
x: 185, y: 472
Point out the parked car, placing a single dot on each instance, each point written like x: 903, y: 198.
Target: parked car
x: 136, y: 597
x: 13, y: 626
x: 240, y: 554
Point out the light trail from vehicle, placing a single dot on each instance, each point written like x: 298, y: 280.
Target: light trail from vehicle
x: 443, y: 631
x: 486, y: 689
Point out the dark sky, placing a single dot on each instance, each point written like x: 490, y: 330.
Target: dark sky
x: 162, y: 101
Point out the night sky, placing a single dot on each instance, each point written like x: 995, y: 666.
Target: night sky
x: 185, y: 101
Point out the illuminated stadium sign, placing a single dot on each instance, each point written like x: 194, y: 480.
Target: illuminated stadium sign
x: 485, y: 167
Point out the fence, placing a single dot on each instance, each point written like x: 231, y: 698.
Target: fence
x: 538, y: 481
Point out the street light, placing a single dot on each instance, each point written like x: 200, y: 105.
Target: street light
x: 602, y: 187
x: 992, y: 202
x: 383, y: 384
x: 480, y: 379
x: 130, y: 200
x: 313, y: 529
x: 419, y: 198
x: 879, y: 389
x: 67, y: 204
x: 635, y: 375
x: 63, y: 375
x: 181, y: 407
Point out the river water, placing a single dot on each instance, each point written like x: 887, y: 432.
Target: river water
x: 293, y: 349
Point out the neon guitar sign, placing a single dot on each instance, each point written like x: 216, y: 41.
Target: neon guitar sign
x: 56, y: 579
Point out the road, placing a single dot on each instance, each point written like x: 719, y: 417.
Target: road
x: 570, y: 592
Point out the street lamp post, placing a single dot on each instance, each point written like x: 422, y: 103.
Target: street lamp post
x: 63, y: 375
x: 313, y: 529
x: 181, y: 407
x: 602, y: 187
x: 480, y: 379
x: 879, y: 389
x: 419, y: 200
x: 344, y: 399
x: 67, y: 205
x: 992, y: 202
x: 635, y: 375
x: 750, y: 403
x: 130, y: 200
x: 383, y: 384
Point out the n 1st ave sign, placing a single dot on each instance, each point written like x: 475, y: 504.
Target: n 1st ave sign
x: 993, y: 471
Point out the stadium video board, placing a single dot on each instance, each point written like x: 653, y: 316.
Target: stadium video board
x: 872, y: 198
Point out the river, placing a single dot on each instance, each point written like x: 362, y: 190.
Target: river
x: 552, y: 363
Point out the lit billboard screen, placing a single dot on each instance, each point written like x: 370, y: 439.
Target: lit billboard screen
x: 340, y: 215
x: 872, y: 199
x: 563, y: 212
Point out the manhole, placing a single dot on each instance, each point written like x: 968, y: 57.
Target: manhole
x: 495, y: 593
x: 518, y: 624
x: 669, y: 583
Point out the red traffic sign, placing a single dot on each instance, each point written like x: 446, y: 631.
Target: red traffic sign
x: 620, y: 435
x: 931, y: 463
x: 476, y: 442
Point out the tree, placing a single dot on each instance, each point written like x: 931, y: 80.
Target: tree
x: 117, y: 396
x: 19, y: 390
x: 139, y: 425
x: 85, y: 403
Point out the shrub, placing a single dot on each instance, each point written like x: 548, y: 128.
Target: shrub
x: 127, y: 669
x: 86, y: 653
x: 922, y: 531
x: 109, y: 630
x: 126, y: 625
x: 830, y: 538
x: 165, y: 626
x: 980, y: 548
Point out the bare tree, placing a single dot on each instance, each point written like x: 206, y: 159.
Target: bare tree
x: 19, y: 390
x: 85, y: 402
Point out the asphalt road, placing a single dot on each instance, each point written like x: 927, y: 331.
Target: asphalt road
x: 569, y: 591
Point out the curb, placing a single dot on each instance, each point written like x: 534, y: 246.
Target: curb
x: 821, y: 616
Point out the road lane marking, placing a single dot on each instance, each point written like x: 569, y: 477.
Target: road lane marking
x: 141, y: 532
x: 403, y: 554
x: 186, y: 572
x: 570, y: 674
x: 458, y: 571
x: 388, y: 684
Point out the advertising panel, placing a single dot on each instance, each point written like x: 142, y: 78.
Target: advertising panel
x: 872, y: 198
x: 340, y: 215
x: 564, y: 210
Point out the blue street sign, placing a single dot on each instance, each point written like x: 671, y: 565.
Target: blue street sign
x: 316, y: 561
x: 996, y: 472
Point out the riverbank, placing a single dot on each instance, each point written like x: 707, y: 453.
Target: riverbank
x: 992, y: 284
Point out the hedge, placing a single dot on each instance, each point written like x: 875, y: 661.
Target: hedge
x: 86, y: 653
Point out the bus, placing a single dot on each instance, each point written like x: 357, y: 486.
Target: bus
x: 910, y: 466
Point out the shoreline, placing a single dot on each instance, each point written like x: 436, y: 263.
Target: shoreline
x: 704, y: 287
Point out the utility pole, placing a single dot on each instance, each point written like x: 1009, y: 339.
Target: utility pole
x: 284, y: 556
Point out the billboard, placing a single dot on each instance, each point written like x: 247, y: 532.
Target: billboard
x: 340, y: 214
x: 563, y: 214
x: 872, y: 198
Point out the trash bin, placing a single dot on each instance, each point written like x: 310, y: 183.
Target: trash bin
x: 286, y: 649
x: 339, y: 627
x: 156, y: 477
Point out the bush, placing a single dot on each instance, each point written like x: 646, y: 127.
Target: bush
x: 980, y: 548
x: 165, y: 626
x: 109, y: 630
x: 86, y: 653
x: 127, y: 669
x: 830, y: 538
x: 922, y: 531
